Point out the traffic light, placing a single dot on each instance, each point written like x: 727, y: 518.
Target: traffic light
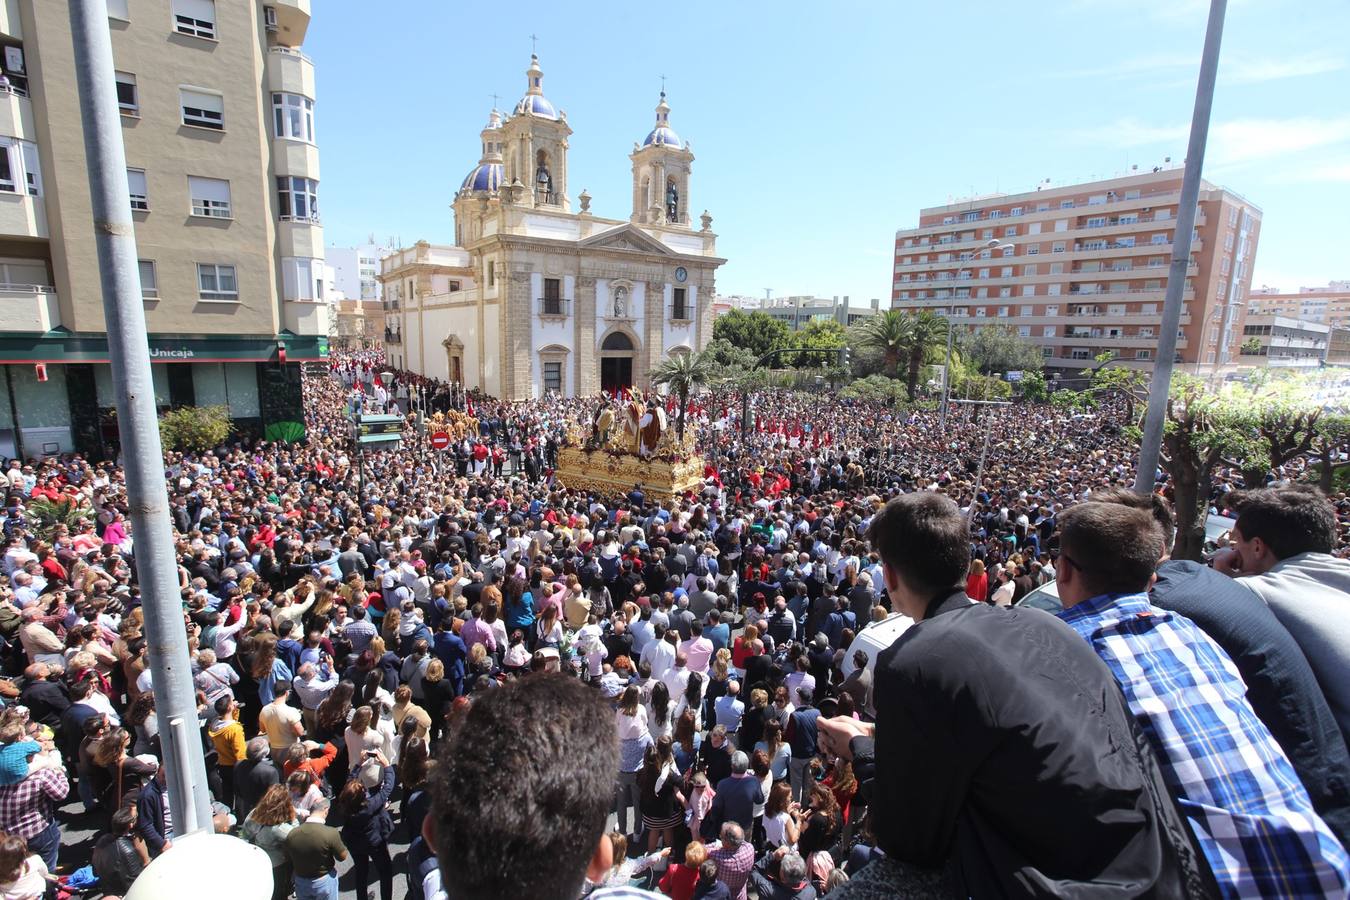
x: 845, y: 358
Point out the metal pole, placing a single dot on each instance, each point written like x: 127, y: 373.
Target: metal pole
x: 137, y: 422
x: 946, y: 376
x: 1150, y: 447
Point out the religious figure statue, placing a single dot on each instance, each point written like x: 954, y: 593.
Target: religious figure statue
x: 672, y: 203
x: 620, y: 302
x: 632, y: 425
x: 601, y: 424
x: 650, y: 428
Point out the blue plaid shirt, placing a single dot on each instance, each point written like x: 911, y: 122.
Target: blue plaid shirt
x: 1250, y: 814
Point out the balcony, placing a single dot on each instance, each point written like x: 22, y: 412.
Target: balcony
x: 290, y: 71
x: 16, y: 114
x: 295, y: 158
x: 301, y: 237
x: 392, y: 337
x: 306, y: 317
x: 28, y: 308
x: 681, y: 313
x: 22, y: 215
x: 292, y: 21
x: 554, y: 307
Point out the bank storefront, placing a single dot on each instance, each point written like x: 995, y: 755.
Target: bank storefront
x: 58, y: 388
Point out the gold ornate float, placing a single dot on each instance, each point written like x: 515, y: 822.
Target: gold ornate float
x: 643, y: 452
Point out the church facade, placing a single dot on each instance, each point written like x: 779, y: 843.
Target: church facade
x: 536, y: 297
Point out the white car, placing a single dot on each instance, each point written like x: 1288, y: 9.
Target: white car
x: 874, y: 638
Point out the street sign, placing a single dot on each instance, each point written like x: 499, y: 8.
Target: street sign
x: 379, y: 429
x: 1015, y: 375
x: 440, y: 440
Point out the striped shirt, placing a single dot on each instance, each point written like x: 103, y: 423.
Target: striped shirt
x: 1251, y: 816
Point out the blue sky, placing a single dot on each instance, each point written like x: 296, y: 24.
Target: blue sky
x: 819, y: 129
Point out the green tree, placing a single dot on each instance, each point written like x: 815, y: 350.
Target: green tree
x: 1251, y: 346
x: 683, y: 373
x: 902, y: 338
x: 1033, y: 386
x: 195, y: 428
x: 727, y: 358
x: 755, y: 331
x: 1277, y: 423
x: 885, y: 335
x: 1332, y: 438
x: 981, y: 387
x: 1129, y: 384
x: 1200, y: 431
x: 876, y: 388
x: 998, y: 348
x: 49, y: 515
x: 819, y: 335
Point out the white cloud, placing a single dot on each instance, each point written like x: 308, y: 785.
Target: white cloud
x: 1241, y: 71
x: 1231, y: 144
x: 1316, y: 174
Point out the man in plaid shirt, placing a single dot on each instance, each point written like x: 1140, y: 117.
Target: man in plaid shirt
x: 28, y: 810
x: 1250, y: 814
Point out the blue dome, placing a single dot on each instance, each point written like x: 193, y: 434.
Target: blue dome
x: 484, y: 177
x: 663, y: 135
x: 537, y: 105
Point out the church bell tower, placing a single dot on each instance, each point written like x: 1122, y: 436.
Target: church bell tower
x: 535, y: 145
x: 661, y: 167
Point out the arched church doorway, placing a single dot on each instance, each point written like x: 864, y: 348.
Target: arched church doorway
x: 616, y: 362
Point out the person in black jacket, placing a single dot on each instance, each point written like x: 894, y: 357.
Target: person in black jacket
x: 151, y: 824
x: 1004, y: 761
x: 366, y: 827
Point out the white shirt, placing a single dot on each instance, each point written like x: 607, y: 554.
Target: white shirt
x: 661, y: 656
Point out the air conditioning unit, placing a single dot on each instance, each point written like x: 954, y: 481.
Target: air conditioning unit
x: 270, y: 18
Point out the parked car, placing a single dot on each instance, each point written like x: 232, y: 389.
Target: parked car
x: 874, y: 638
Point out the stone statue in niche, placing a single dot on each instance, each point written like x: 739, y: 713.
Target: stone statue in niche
x: 672, y: 203
x: 620, y: 302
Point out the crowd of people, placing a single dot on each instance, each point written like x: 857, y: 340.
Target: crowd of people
x: 548, y: 693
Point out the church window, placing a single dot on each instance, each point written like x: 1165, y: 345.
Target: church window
x: 552, y: 304
x: 679, y: 307
x: 553, y: 377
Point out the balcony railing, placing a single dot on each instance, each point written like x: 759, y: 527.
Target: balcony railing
x: 392, y: 337
x: 555, y: 306
x: 681, y: 312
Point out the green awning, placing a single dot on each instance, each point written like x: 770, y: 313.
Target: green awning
x: 62, y: 346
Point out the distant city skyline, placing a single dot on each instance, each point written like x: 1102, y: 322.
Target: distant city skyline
x: 817, y: 136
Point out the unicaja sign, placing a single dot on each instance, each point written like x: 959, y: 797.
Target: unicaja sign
x: 156, y: 353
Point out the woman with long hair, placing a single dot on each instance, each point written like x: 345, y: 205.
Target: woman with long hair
x: 660, y: 715
x: 692, y: 700
x: 23, y: 874
x: 780, y: 828
x: 439, y: 693
x: 366, y: 827
x: 977, y: 582
x: 776, y: 749
x: 361, y: 736
x: 414, y: 763
x: 142, y: 719
x: 687, y: 739
x: 266, y: 827
x: 267, y: 668
x: 548, y: 631
x: 820, y: 822
x: 518, y: 608
x: 662, y: 800
x: 116, y: 773
x: 334, y: 713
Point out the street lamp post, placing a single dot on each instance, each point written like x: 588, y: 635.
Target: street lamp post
x: 991, y: 245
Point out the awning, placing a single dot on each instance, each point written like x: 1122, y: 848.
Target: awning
x: 62, y: 346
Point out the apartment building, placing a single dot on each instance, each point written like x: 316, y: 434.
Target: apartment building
x: 218, y: 105
x: 1280, y: 342
x: 1329, y: 305
x: 797, y: 312
x: 1081, y: 269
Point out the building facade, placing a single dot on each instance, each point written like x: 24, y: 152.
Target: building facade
x: 535, y: 297
x: 1338, y: 345
x: 217, y: 106
x: 1082, y: 269
x: 797, y: 312
x: 1280, y: 342
x: 1328, y: 305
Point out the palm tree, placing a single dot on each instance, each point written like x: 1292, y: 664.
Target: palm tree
x: 887, y: 334
x: 683, y: 373
x: 926, y: 335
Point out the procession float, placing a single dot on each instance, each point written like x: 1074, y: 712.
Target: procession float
x: 629, y: 445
